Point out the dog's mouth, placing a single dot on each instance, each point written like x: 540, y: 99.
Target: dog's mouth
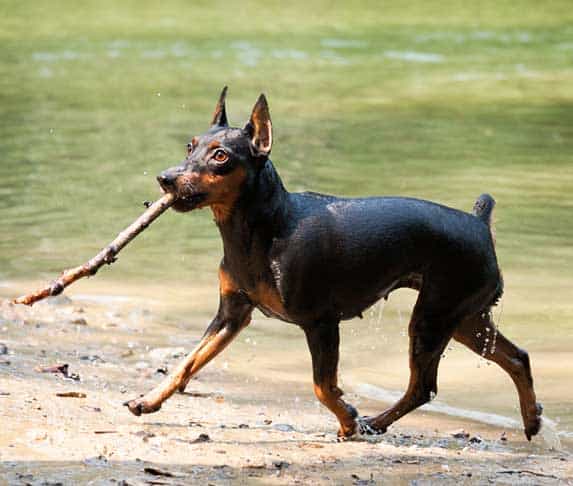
x: 189, y: 202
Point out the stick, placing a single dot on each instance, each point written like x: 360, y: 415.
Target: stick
x: 527, y: 471
x: 106, y: 255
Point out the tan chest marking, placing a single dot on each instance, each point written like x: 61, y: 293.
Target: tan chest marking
x: 264, y: 295
x: 269, y: 298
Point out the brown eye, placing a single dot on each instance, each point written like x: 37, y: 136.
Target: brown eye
x: 220, y: 156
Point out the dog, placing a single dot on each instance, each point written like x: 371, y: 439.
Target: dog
x: 315, y: 260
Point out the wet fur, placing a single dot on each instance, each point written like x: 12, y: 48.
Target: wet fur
x: 315, y: 260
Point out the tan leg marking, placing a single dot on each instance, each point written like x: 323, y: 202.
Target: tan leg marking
x: 206, y: 350
x: 515, y: 361
x: 330, y: 396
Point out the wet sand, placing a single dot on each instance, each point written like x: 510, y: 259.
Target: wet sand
x: 234, y: 423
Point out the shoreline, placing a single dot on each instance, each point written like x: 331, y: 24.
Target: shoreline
x: 231, y: 425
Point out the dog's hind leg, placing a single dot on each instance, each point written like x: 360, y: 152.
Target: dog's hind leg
x: 428, y: 339
x: 234, y: 315
x: 323, y: 341
x: 480, y: 335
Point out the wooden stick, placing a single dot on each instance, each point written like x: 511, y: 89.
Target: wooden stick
x: 106, y: 255
x: 527, y: 471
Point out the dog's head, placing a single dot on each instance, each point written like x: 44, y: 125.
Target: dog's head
x: 220, y: 162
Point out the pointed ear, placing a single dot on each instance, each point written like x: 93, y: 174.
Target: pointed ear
x: 220, y: 115
x: 260, y: 128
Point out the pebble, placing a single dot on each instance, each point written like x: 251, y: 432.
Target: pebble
x: 459, y: 434
x: 284, y: 427
x: 92, y: 357
x: 145, y: 435
x: 90, y: 408
x: 162, y: 354
x: 201, y: 438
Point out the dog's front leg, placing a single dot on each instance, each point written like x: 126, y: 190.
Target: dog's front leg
x: 234, y: 315
x: 323, y: 341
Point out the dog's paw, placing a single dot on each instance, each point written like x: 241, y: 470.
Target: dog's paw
x: 363, y: 431
x: 533, y: 424
x: 138, y: 406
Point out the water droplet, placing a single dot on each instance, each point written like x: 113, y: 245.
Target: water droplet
x: 158, y: 94
x: 494, y: 341
x: 144, y: 172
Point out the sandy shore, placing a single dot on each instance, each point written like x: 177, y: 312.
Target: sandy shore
x: 229, y: 427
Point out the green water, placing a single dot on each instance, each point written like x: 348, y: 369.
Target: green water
x: 433, y: 102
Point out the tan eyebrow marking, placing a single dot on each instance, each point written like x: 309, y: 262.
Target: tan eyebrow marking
x: 214, y: 144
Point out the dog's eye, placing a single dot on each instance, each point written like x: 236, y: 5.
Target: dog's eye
x: 220, y: 156
x: 189, y: 148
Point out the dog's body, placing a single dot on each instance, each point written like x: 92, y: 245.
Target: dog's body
x: 315, y: 260
x: 330, y: 258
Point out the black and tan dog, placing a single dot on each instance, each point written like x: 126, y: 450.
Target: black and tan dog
x: 315, y: 260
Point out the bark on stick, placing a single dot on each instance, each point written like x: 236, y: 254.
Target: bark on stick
x: 106, y: 255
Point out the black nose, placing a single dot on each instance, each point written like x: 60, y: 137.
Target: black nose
x: 165, y: 179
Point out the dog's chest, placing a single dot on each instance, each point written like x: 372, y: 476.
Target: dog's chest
x: 264, y: 292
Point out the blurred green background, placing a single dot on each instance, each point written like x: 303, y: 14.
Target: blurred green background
x: 439, y: 100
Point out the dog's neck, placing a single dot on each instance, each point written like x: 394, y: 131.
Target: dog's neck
x: 258, y: 213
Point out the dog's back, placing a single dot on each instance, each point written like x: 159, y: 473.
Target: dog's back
x: 357, y: 250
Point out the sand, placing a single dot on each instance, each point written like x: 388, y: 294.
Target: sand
x: 230, y: 426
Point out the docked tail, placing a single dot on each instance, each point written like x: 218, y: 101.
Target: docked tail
x: 483, y: 209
